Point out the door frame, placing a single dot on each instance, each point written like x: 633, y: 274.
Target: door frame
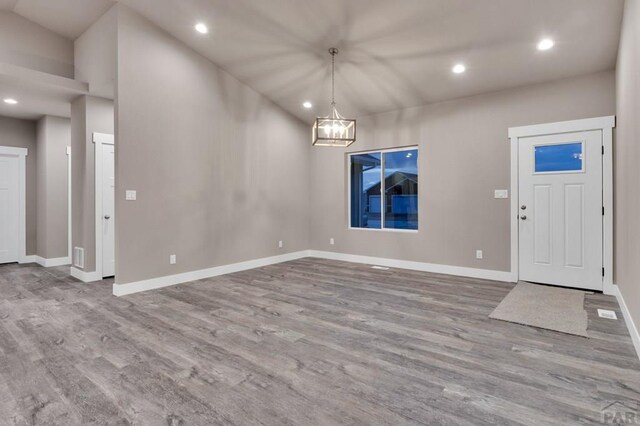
x: 605, y: 125
x: 21, y: 153
x: 99, y: 139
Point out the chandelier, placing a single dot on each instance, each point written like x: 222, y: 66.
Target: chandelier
x: 334, y: 130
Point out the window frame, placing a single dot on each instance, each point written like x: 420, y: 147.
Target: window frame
x: 557, y: 172
x: 382, y: 213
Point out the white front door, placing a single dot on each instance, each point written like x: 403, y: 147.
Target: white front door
x: 108, y: 211
x: 9, y: 208
x: 560, y: 209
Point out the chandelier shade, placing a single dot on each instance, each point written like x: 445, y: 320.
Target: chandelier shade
x: 334, y: 130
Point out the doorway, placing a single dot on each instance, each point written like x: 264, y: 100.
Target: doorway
x: 105, y: 204
x: 12, y: 204
x: 562, y: 203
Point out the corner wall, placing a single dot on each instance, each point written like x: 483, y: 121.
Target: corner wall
x: 627, y: 158
x: 89, y: 114
x: 54, y: 136
x: 221, y: 173
x: 463, y: 157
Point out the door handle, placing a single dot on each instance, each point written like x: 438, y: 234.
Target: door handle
x: 523, y: 217
x: 106, y: 216
x: 523, y: 207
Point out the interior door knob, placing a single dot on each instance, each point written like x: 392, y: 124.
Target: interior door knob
x: 523, y: 217
x: 523, y: 207
x: 106, y: 216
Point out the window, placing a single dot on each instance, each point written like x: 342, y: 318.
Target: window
x: 566, y: 157
x: 384, y: 189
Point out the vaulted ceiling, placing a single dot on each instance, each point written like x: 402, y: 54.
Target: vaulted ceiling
x: 393, y: 54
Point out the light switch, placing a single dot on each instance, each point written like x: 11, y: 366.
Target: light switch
x: 130, y: 195
x: 501, y: 193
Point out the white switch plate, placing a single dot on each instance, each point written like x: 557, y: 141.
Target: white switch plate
x: 331, y: 241
x: 604, y: 313
x: 478, y: 254
x: 172, y: 259
x: 130, y: 195
x: 280, y: 244
x: 501, y: 193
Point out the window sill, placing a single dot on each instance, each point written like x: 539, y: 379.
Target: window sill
x: 402, y: 231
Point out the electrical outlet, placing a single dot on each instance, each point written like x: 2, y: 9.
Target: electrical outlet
x: 172, y: 259
x: 280, y: 244
x: 331, y: 241
x: 478, y: 254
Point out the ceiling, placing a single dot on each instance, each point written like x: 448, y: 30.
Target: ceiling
x: 69, y: 18
x: 393, y: 54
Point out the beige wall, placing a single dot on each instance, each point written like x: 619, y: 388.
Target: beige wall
x: 29, y: 45
x: 627, y: 157
x: 89, y: 114
x: 463, y: 158
x: 95, y: 55
x: 22, y: 134
x: 221, y: 172
x: 53, y: 137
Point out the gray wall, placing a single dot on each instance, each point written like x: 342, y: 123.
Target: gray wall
x: 22, y: 134
x: 464, y: 157
x: 29, y: 45
x: 95, y: 55
x: 89, y: 114
x: 627, y: 156
x: 53, y: 137
x: 221, y: 173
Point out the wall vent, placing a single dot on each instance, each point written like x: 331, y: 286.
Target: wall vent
x: 78, y: 257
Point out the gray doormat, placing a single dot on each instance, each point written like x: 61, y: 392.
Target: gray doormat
x: 552, y: 308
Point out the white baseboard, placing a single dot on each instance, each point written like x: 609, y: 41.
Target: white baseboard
x: 83, y: 276
x: 59, y: 261
x: 169, y: 280
x: 631, y: 326
x: 28, y: 259
x: 462, y: 271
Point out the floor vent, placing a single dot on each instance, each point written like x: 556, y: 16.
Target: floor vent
x: 384, y: 268
x: 603, y: 313
x: 78, y: 257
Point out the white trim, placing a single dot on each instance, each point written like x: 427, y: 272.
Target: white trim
x: 169, y: 280
x: 21, y: 153
x: 631, y: 326
x: 461, y: 271
x: 99, y: 139
x: 47, y: 263
x: 605, y: 125
x: 83, y: 276
x: 28, y: 259
x: 69, y: 206
x: 597, y: 123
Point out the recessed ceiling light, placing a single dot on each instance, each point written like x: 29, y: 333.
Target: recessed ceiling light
x: 307, y: 105
x: 201, y: 28
x: 545, y: 44
x: 459, y: 68
x: 10, y: 101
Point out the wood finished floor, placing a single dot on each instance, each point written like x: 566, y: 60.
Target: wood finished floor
x: 307, y: 342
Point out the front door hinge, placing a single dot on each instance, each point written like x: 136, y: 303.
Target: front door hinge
x: 602, y: 210
x: 603, y: 150
x: 603, y: 272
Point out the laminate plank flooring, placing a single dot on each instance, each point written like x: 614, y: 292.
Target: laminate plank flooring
x: 306, y: 342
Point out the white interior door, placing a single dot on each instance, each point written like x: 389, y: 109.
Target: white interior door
x: 108, y: 211
x: 560, y: 199
x: 9, y: 208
